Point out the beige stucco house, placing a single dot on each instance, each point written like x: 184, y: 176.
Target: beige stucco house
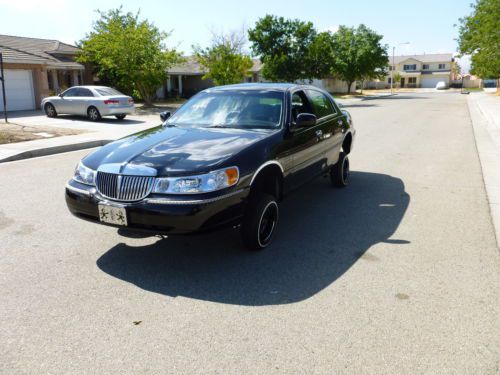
x: 186, y: 79
x: 417, y: 71
x: 35, y: 68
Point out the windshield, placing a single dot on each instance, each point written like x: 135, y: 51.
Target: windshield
x: 231, y: 109
x: 108, y: 91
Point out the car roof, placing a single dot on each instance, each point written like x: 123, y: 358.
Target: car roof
x: 271, y: 86
x: 91, y: 87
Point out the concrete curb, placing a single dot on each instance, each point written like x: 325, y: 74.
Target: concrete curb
x: 489, y: 156
x: 44, y: 151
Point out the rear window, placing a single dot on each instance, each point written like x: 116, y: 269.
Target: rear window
x: 321, y: 104
x: 108, y: 91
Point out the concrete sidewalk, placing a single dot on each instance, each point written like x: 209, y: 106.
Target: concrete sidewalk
x: 96, y: 134
x: 485, y: 114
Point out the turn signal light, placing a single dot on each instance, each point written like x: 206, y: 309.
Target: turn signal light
x: 232, y: 176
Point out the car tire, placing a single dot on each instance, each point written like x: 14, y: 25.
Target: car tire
x: 93, y: 114
x: 260, y: 222
x: 340, y: 172
x: 120, y: 117
x: 50, y: 110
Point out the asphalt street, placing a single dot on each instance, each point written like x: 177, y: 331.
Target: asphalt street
x: 396, y: 274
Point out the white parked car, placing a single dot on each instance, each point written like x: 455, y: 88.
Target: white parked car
x: 441, y: 85
x: 91, y: 101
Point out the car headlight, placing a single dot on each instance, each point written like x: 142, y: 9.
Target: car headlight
x: 203, y: 183
x: 84, y: 175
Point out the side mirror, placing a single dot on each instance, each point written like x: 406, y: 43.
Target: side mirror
x: 305, y: 120
x: 165, y: 115
x: 60, y: 95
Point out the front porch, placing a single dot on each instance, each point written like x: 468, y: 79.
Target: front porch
x: 409, y: 80
x: 60, y: 79
x: 183, y: 85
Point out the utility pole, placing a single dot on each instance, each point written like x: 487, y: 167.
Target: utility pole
x: 393, y: 65
x: 2, y: 78
x: 392, y: 69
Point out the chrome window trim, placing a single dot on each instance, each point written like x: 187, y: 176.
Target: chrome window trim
x: 194, y: 201
x: 265, y: 165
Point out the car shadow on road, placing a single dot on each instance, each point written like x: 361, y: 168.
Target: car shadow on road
x: 322, y: 233
x: 104, y: 120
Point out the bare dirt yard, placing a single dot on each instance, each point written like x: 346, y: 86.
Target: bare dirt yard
x: 11, y: 133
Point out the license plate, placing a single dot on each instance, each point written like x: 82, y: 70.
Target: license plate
x: 112, y: 215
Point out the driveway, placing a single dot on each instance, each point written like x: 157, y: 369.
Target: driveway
x: 38, y: 118
x: 396, y: 274
x: 93, y: 133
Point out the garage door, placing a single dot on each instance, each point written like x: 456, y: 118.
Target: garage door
x: 431, y: 82
x: 18, y: 90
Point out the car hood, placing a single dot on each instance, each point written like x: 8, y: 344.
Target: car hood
x: 176, y: 151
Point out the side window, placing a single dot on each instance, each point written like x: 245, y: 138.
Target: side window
x: 322, y: 106
x: 71, y: 92
x: 300, y: 104
x: 85, y: 92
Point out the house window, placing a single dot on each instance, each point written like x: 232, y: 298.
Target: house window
x: 425, y: 66
x: 410, y: 67
x: 389, y: 80
x: 412, y: 80
x: 442, y: 66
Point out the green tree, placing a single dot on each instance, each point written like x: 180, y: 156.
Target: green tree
x: 479, y: 36
x: 356, y: 54
x: 224, y: 60
x: 128, y: 53
x: 284, y: 48
x: 397, y: 79
x: 456, y: 69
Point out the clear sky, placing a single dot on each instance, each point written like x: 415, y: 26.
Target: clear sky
x: 426, y: 24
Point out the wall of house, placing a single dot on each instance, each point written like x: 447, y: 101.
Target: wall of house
x: 472, y: 83
x: 336, y: 85
x: 194, y: 84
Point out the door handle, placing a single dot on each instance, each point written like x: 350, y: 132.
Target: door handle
x: 319, y: 133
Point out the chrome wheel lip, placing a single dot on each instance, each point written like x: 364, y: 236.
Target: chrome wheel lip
x: 267, y: 240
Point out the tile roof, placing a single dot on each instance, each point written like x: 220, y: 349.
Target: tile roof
x: 50, y: 52
x: 426, y: 58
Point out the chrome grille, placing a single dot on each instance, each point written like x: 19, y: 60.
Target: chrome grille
x: 123, y: 188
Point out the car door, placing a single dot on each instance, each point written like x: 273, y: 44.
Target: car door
x: 330, y: 123
x: 84, y: 100
x: 65, y: 104
x: 304, y: 144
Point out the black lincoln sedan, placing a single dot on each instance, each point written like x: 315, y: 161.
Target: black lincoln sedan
x: 227, y: 157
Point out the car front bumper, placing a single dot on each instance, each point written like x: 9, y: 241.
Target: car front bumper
x: 161, y: 215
